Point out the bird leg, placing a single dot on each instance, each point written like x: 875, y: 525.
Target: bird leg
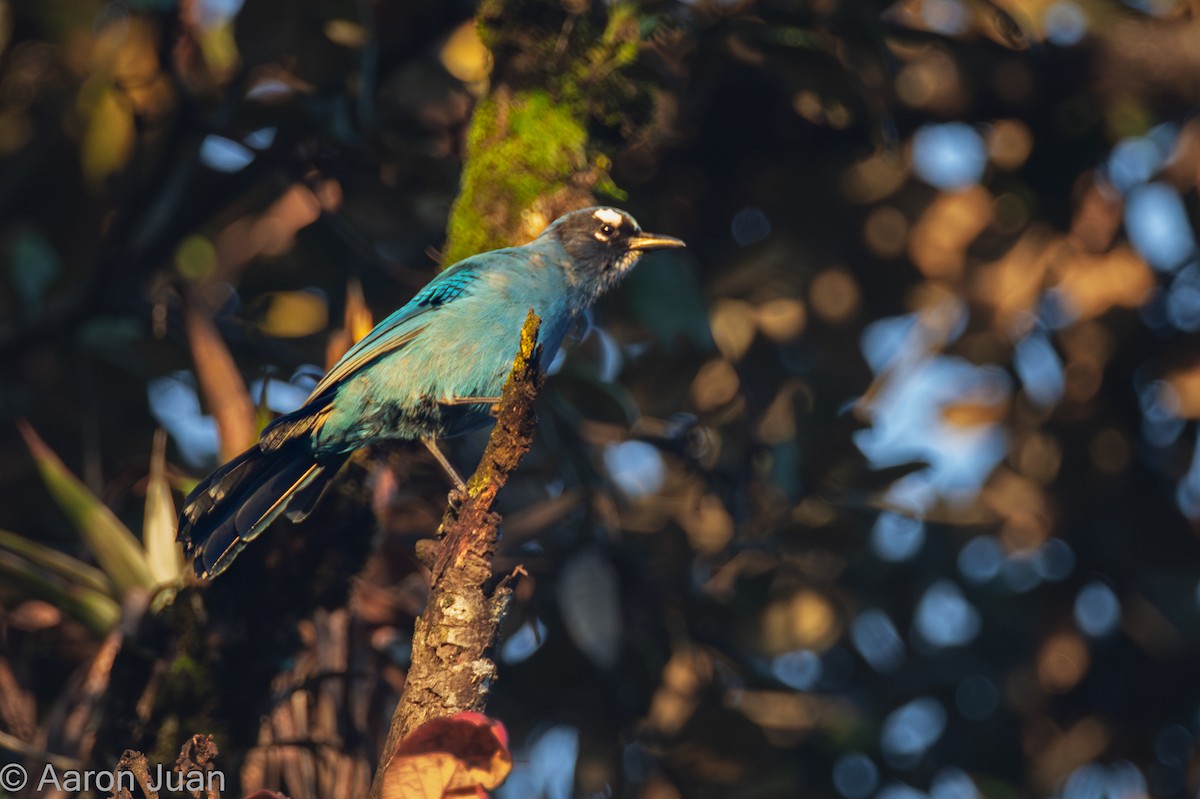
x: 493, y: 401
x: 470, y: 401
x: 431, y: 444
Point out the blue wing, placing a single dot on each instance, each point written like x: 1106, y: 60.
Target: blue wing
x: 403, y: 325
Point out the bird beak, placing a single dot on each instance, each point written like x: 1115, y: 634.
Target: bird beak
x: 653, y: 241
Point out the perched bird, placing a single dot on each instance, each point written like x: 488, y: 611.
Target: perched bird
x: 433, y: 369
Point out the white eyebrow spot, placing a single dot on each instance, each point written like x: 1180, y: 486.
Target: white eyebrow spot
x: 608, y: 216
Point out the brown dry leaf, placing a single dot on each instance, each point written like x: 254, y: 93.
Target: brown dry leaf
x: 462, y: 755
x: 1092, y: 284
x: 1012, y: 285
x: 939, y: 240
x: 221, y: 384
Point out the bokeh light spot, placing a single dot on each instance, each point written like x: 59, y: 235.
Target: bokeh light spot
x: 636, y: 467
x: 1065, y: 23
x: 195, y: 258
x: 1055, y: 560
x: 1158, y: 226
x: 750, y: 226
x: 981, y: 559
x: 800, y: 669
x: 895, y: 537
x: 834, y: 295
x: 1040, y: 369
x: 1183, y: 299
x: 1097, y: 609
x: 885, y: 231
x: 876, y: 639
x: 1020, y: 573
x: 528, y: 639
x: 1062, y: 662
x: 224, y: 155
x: 855, y: 776
x: 911, y: 729
x: 952, y: 782
x: 944, y: 617
x: 949, y: 156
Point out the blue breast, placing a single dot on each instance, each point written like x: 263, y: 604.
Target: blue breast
x: 467, y: 328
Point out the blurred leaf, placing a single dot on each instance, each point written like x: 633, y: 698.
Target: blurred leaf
x: 589, y: 598
x: 34, y: 267
x: 358, y: 316
x: 291, y: 314
x: 346, y: 33
x: 1092, y: 284
x: 222, y: 385
x: 95, y: 610
x: 108, y: 140
x: 220, y: 49
x: 116, y: 549
x: 164, y: 555
x: 70, y: 569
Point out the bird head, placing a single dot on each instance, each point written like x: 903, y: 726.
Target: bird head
x: 604, y: 243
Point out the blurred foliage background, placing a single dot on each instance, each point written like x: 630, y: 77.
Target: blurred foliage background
x: 886, y: 487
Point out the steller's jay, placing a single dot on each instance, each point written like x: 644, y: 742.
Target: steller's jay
x: 431, y: 370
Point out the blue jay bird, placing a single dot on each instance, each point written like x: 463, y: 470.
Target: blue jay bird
x: 433, y: 369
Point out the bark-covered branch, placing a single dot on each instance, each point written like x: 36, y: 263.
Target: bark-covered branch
x: 451, y: 669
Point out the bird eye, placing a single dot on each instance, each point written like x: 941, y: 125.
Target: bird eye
x: 607, y: 230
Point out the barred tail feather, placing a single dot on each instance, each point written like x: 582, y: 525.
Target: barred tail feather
x: 234, y: 504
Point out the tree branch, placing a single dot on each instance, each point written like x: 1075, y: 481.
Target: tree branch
x: 451, y: 671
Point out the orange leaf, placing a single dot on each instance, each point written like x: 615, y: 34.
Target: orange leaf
x: 221, y: 383
x: 462, y: 755
x: 356, y: 324
x: 428, y: 776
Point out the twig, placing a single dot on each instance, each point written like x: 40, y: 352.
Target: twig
x: 450, y: 670
x: 134, y: 762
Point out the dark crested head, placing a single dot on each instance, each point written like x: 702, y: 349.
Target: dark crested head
x: 604, y: 243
